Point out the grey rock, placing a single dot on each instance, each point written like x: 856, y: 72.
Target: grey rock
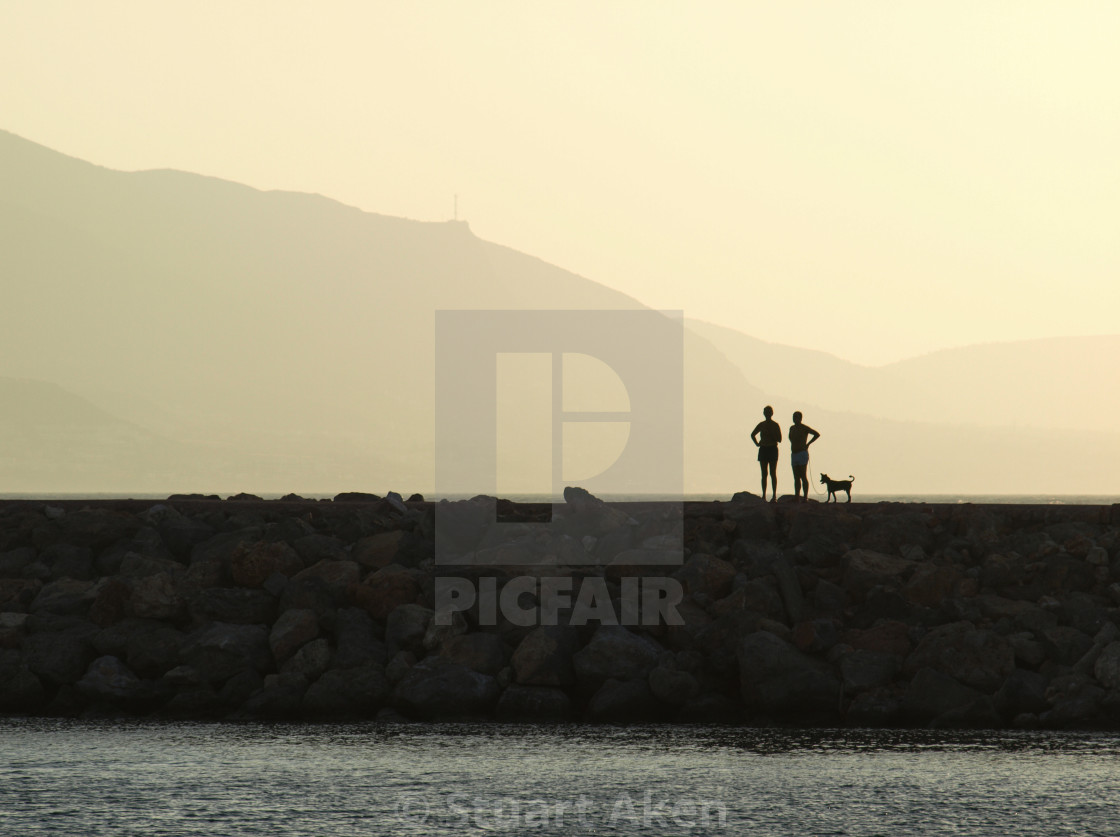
x: 777, y: 679
x: 932, y: 693
x: 544, y: 657
x: 406, y: 627
x: 59, y: 657
x: 65, y: 596
x: 876, y: 708
x: 233, y: 605
x: 790, y: 589
x: 863, y: 670
x: 671, y: 686
x: 356, y: 692
x: 156, y: 596
x: 978, y: 658
x: 356, y: 640
x: 281, y: 698
x: 109, y: 678
x: 316, y: 548
x: 292, y: 630
x: 624, y: 700
x: 533, y: 704
x: 436, y: 688
x: 1023, y: 691
x: 68, y: 561
x: 615, y: 652
x: 481, y: 652
x: 220, y: 650
x: 310, y: 661
x: 1107, y: 666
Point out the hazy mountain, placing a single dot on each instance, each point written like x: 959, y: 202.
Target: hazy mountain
x: 222, y: 338
x: 1060, y: 383
x: 276, y: 325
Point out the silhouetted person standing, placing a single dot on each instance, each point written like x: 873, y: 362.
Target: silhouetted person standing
x: 766, y: 436
x: 799, y: 442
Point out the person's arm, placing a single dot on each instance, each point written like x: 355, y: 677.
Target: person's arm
x: 815, y: 436
x: 754, y: 434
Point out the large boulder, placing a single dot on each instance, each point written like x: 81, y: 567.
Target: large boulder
x: 1107, y: 667
x: 388, y: 588
x: 58, y: 657
x: 888, y: 636
x: 139, y: 565
x: 220, y: 650
x: 310, y: 661
x: 863, y: 670
x: 221, y: 547
x: 96, y: 528
x: 533, y: 704
x: 234, y: 605
x: 357, y: 642
x: 864, y: 569
x: 254, y: 563
x: 68, y: 561
x: 20, y: 690
x: 615, y: 652
x: 17, y: 594
x: 789, y: 587
x: 156, y: 596
x: 353, y: 692
x: 625, y: 701
x: 280, y: 698
x: 292, y: 630
x: 108, y: 678
x: 933, y: 693
x: 706, y: 576
x: 1065, y: 645
x: 1023, y: 691
x: 147, y: 647
x: 672, y: 686
x: 974, y: 657
x: 65, y: 596
x: 437, y: 688
x: 377, y: 551
x: 336, y: 577
x: 406, y: 627
x: 931, y: 584
x: 777, y: 679
x: 481, y: 652
x: 316, y: 548
x: 544, y: 657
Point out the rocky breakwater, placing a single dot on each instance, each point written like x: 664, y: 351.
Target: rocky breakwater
x: 860, y: 615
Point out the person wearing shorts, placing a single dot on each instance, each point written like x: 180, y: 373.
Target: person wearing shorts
x: 766, y: 436
x: 799, y: 442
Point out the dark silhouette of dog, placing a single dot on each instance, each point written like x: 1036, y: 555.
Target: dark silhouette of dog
x: 838, y: 485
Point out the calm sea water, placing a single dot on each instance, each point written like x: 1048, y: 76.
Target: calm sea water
x: 84, y: 778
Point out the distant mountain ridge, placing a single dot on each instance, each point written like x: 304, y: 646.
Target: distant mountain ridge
x: 1055, y: 382
x: 275, y: 341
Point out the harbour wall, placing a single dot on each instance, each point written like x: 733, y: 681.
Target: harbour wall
x: 871, y: 615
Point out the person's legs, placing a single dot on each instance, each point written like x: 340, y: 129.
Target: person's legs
x: 773, y: 481
x: 762, y: 467
x: 800, y: 481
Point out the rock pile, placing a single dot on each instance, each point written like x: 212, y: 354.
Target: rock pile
x: 869, y: 615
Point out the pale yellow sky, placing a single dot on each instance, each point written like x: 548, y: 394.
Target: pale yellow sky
x: 872, y: 179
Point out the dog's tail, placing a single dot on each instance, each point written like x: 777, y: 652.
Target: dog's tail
x: 853, y: 479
